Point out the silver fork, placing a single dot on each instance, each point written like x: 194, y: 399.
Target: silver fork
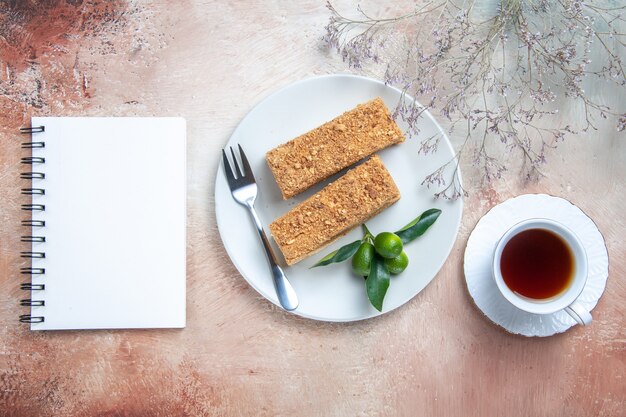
x: 244, y: 190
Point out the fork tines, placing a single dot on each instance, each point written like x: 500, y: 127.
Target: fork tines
x: 238, y: 172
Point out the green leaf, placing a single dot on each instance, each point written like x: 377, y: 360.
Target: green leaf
x: 418, y: 226
x: 340, y: 254
x: 377, y: 282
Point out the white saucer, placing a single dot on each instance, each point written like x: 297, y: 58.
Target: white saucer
x: 478, y: 260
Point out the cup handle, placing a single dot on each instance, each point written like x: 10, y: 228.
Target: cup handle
x: 578, y: 313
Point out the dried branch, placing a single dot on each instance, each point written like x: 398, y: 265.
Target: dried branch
x: 500, y: 70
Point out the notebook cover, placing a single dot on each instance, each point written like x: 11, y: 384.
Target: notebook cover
x: 115, y: 213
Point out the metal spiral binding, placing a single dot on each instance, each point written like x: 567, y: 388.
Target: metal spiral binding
x: 27, y: 286
x: 33, y: 255
x: 32, y: 303
x: 32, y: 207
x: 31, y: 145
x: 33, y: 129
x: 27, y: 318
x: 39, y: 239
x: 32, y: 160
x: 32, y: 175
x: 33, y: 191
x: 34, y: 223
x: 32, y: 271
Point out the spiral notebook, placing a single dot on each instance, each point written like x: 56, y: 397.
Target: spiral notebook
x: 106, y: 222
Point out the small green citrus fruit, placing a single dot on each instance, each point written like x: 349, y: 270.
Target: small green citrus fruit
x: 362, y: 259
x: 388, y: 245
x: 397, y: 264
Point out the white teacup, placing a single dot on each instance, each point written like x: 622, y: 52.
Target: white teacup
x: 565, y: 300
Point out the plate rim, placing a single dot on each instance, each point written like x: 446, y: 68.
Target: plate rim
x: 220, y: 168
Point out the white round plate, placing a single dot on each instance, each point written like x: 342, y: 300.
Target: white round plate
x: 333, y: 293
x: 479, y: 256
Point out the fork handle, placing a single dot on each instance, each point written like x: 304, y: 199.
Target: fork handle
x: 286, y: 294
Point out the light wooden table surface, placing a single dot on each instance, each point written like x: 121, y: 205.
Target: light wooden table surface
x: 210, y: 62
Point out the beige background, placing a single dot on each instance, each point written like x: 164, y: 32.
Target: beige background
x: 210, y: 62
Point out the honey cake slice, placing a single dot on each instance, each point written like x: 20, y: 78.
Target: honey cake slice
x: 333, y: 146
x: 360, y: 194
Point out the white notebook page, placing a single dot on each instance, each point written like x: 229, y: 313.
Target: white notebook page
x: 115, y: 213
